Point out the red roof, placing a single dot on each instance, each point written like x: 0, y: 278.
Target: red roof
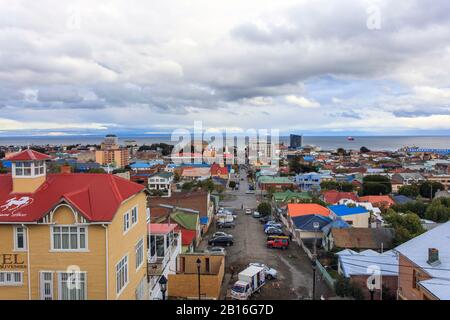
x: 28, y: 155
x: 187, y: 236
x: 333, y: 196
x: 216, y: 169
x: 303, y: 209
x: 161, y: 228
x: 96, y: 196
x: 378, y: 200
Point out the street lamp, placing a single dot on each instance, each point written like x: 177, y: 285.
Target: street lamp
x: 199, y: 264
x: 316, y: 226
x: 163, y: 286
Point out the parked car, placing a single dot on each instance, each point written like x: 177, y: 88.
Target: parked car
x: 278, y: 242
x: 256, y: 214
x: 271, y: 273
x: 265, y: 219
x: 250, y: 191
x: 218, y: 250
x: 225, y: 224
x: 221, y: 241
x: 248, y: 211
x: 273, y: 224
x: 220, y: 234
x: 274, y: 231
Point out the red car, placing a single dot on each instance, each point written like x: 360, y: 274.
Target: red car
x: 282, y: 243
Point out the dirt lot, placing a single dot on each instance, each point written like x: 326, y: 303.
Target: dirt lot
x: 294, y: 268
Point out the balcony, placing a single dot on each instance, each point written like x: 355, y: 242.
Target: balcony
x: 164, y: 255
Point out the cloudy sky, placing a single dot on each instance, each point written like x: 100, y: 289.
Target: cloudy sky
x: 315, y: 67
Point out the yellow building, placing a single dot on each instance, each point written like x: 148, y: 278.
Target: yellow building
x: 70, y: 236
x: 116, y: 157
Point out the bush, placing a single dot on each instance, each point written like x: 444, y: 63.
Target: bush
x: 232, y: 184
x: 345, y: 288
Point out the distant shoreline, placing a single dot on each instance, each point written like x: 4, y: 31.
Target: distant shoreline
x: 388, y: 143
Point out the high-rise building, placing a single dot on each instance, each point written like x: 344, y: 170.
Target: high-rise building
x: 296, y: 141
x: 111, y: 153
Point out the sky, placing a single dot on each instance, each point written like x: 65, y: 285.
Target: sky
x: 321, y: 67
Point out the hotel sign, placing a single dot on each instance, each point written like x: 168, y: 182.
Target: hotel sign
x: 12, y: 261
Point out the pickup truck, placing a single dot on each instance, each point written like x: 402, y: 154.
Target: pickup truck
x: 249, y: 281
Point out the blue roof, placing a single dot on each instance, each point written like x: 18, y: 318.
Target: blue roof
x: 203, y: 220
x: 401, y: 199
x: 308, y: 158
x: 342, y: 210
x: 306, y: 222
x: 338, y: 224
x: 6, y: 163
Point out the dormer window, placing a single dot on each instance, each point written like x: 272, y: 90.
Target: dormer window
x: 23, y: 169
x: 29, y: 168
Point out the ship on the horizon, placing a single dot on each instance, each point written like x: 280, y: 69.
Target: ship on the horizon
x: 350, y: 139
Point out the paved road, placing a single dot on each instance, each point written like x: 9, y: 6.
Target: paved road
x: 294, y: 267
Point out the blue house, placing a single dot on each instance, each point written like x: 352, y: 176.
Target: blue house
x: 310, y: 181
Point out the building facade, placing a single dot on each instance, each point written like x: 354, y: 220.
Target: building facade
x: 70, y: 236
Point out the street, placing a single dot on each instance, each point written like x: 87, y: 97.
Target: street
x: 294, y: 268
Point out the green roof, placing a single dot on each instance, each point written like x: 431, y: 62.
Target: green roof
x: 288, y: 195
x: 185, y: 220
x: 163, y: 174
x: 270, y: 179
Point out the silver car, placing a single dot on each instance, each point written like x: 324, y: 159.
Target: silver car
x: 270, y: 273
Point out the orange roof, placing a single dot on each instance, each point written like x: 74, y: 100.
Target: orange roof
x: 386, y: 200
x: 303, y: 209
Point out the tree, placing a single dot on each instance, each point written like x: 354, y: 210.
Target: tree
x: 364, y: 150
x: 176, y: 177
x: 294, y: 165
x: 429, y: 188
x: 438, y: 210
x: 411, y: 191
x: 341, y: 151
x: 232, y: 184
x: 187, y: 186
x: 417, y: 207
x: 406, y: 226
x: 264, y: 209
x: 376, y: 185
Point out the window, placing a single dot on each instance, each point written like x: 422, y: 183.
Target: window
x: 39, y: 167
x: 69, y: 238
x: 46, y: 285
x: 139, y: 249
x: 126, y: 222
x: 72, y: 285
x: 121, y: 275
x: 11, y: 278
x: 20, y: 242
x: 23, y: 168
x: 134, y: 215
x: 207, y: 265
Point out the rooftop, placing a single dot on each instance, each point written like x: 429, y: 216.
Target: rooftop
x: 302, y: 209
x: 343, y: 210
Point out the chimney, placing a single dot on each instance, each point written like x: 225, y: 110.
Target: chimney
x: 66, y: 169
x: 433, y: 257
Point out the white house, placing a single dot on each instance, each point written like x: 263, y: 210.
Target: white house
x: 161, y: 181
